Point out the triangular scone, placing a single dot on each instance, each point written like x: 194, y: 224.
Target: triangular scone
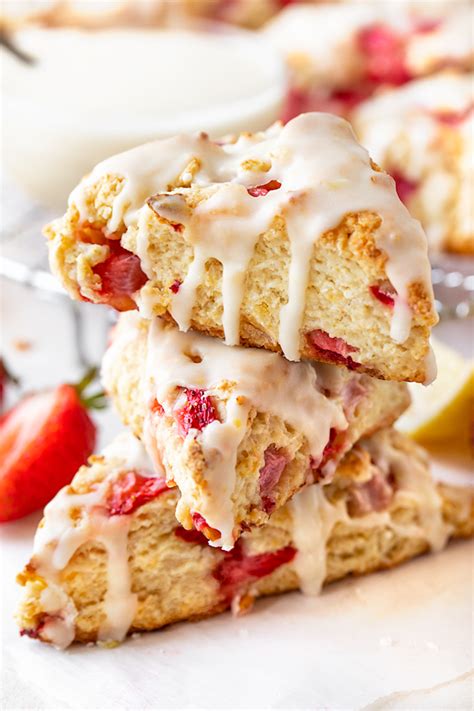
x: 290, y: 240
x: 435, y: 177
x: 110, y: 557
x: 238, y: 430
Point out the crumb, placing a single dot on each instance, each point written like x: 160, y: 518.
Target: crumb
x: 22, y: 345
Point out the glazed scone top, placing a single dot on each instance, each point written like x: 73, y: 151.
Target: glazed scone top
x: 316, y: 173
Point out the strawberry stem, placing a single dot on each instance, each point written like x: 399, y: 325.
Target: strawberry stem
x: 96, y: 401
x: 7, y: 375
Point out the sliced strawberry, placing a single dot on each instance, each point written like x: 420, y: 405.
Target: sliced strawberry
x: 157, y: 408
x: 197, y: 412
x: 131, y: 490
x: 236, y: 569
x: 385, y: 297
x: 261, y: 190
x: 332, y: 349
x: 43, y: 442
x: 121, y: 276
x: 384, y: 50
x: 275, y: 461
x: 405, y: 187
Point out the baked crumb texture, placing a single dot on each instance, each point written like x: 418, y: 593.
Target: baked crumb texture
x: 111, y: 559
x: 238, y: 430
x: 290, y: 240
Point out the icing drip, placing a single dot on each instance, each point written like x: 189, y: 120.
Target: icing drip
x: 242, y: 378
x: 58, y: 539
x: 315, y: 518
x: 323, y: 174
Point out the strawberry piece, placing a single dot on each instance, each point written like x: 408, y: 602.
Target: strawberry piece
x: 197, y: 412
x: 157, y: 408
x: 236, y: 569
x: 275, y: 461
x: 175, y: 286
x: 383, y: 296
x: 191, y: 536
x: 453, y: 118
x: 384, y: 50
x: 405, y: 187
x: 43, y: 442
x: 121, y: 276
x: 334, y: 350
x: 374, y: 495
x: 261, y: 190
x: 296, y: 102
x: 131, y: 490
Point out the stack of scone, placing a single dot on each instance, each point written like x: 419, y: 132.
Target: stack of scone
x: 277, y: 294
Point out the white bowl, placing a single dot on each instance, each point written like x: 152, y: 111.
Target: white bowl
x: 89, y: 95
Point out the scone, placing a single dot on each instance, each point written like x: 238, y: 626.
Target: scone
x: 146, y: 13
x: 290, y: 240
x: 238, y: 430
x: 422, y: 134
x: 109, y: 557
x: 339, y: 54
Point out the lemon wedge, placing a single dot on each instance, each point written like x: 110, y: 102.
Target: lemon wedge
x: 444, y: 410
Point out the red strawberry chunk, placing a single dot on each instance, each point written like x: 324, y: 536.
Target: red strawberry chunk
x: 384, y: 50
x: 333, y: 349
x: 275, y: 461
x: 43, y: 442
x: 197, y: 412
x: 405, y: 187
x: 192, y: 536
x: 236, y: 569
x: 131, y: 490
x: 175, y: 286
x: 121, y: 273
x: 157, y: 408
x: 261, y: 190
x: 374, y: 495
x: 383, y: 296
x: 453, y: 118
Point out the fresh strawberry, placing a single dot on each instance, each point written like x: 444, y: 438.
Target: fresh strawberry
x: 44, y: 439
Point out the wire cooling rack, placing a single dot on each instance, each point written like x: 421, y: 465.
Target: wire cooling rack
x: 23, y: 259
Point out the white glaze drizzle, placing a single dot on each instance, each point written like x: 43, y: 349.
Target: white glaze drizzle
x: 58, y: 539
x: 324, y: 174
x: 242, y: 378
x: 315, y: 518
